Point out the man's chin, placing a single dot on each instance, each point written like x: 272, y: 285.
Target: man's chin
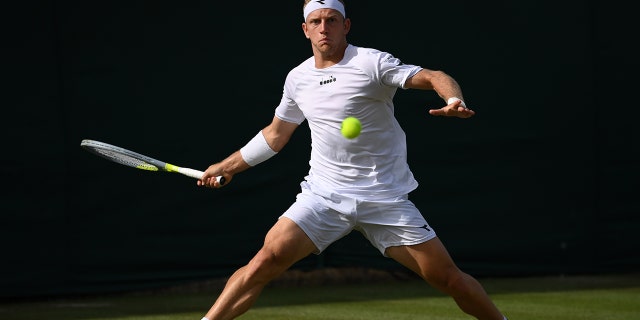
x: 324, y: 47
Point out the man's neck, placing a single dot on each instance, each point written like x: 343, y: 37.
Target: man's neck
x: 328, y: 59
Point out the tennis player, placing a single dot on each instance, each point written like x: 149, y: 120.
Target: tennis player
x: 353, y: 184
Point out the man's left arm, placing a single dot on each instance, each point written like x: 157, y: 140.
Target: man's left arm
x: 446, y: 87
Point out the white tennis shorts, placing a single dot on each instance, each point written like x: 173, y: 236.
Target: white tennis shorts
x: 385, y: 223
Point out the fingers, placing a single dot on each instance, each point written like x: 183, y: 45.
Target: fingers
x: 459, y: 112
x: 212, y: 181
x: 455, y: 109
x: 464, y: 112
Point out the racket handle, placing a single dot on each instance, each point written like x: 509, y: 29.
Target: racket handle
x: 198, y: 174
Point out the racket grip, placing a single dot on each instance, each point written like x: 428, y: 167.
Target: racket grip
x: 198, y: 174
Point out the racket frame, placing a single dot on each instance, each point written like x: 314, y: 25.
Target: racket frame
x: 109, y: 152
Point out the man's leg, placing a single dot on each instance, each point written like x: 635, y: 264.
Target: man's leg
x: 431, y: 261
x: 284, y: 245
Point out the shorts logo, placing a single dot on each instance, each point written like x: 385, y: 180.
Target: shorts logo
x: 426, y: 227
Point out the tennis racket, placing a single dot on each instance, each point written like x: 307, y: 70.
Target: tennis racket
x: 138, y: 161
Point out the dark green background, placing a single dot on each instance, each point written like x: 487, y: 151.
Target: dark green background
x: 543, y: 180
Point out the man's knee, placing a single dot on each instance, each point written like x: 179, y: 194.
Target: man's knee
x: 265, y: 266
x: 449, y: 281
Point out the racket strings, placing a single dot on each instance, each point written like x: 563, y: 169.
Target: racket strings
x: 125, y: 159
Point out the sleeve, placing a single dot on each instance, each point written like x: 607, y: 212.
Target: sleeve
x: 288, y: 109
x: 394, y: 72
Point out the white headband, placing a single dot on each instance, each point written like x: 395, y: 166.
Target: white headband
x: 323, y: 4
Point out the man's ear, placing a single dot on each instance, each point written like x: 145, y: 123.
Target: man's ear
x: 347, y: 25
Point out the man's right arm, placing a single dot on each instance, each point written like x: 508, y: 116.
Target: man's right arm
x: 269, y: 141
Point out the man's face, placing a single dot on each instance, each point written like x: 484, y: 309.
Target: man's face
x: 326, y: 28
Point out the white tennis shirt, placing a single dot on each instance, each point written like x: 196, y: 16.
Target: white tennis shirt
x: 372, y: 166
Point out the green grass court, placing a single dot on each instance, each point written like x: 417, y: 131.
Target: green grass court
x: 601, y: 297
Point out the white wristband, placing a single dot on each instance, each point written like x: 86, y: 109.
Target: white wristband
x: 257, y: 150
x: 204, y: 318
x: 454, y: 99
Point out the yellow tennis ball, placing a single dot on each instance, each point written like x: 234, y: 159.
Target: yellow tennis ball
x: 351, y: 127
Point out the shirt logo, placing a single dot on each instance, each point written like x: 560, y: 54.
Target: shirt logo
x: 327, y: 81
